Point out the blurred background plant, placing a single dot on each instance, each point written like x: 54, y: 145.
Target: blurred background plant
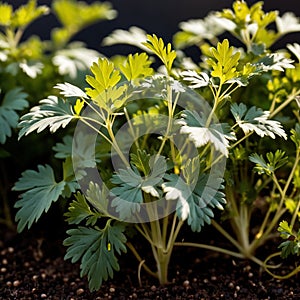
x: 29, y: 68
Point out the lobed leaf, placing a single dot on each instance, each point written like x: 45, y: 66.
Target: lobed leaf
x: 41, y: 190
x: 27, y: 13
x: 254, y: 119
x: 224, y: 62
x: 128, y: 194
x: 96, y: 248
x: 164, y: 52
x: 79, y: 210
x: 52, y: 112
x: 13, y: 101
x: 195, y: 203
x: 218, y: 135
x: 136, y: 66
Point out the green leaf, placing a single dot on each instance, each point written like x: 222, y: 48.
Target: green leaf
x: 52, y: 112
x: 224, y: 62
x: 14, y: 100
x: 288, y: 248
x: 79, y: 210
x: 285, y: 230
x: 295, y: 137
x: 98, y: 198
x: 136, y: 66
x: 141, y: 161
x: 128, y: 194
x: 275, y: 161
x: 41, y: 190
x: 96, y: 248
x: 195, y: 203
x: 254, y: 119
x: 64, y: 149
x: 165, y: 53
x: 291, y: 245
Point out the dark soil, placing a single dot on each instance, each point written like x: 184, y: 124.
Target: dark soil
x: 32, y: 267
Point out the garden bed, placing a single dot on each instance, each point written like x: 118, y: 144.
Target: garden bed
x: 33, y: 268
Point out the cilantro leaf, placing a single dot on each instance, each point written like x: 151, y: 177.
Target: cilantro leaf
x: 256, y: 120
x: 275, y: 161
x: 224, y: 62
x: 96, y: 248
x: 218, y: 135
x: 41, y: 191
x: 195, y: 203
x: 105, y: 76
x: 130, y: 187
x: 165, y: 53
x: 79, y: 210
x: 52, y: 112
x: 136, y: 66
x: 13, y: 101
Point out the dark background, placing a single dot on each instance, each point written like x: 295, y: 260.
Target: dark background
x: 157, y: 16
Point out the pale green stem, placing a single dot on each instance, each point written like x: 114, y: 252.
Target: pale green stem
x: 138, y: 257
x: 144, y: 232
x: 94, y: 128
x: 295, y: 214
x: 131, y: 128
x: 284, y: 104
x: 227, y: 235
x: 174, y: 233
x: 226, y: 91
x: 170, y: 119
x: 115, y: 145
x: 101, y: 115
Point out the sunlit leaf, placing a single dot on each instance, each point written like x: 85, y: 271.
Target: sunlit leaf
x: 52, y: 112
x: 136, y: 66
x: 27, y: 13
x: 70, y: 90
x: 6, y: 12
x: 257, y: 120
x: 195, y: 126
x: 224, y: 61
x: 196, y: 80
x: 164, y: 52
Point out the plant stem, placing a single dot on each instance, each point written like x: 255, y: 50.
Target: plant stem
x: 138, y: 257
x: 285, y: 103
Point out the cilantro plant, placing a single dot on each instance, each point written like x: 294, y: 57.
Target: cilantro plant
x: 254, y: 89
x: 29, y: 68
x: 146, y: 154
